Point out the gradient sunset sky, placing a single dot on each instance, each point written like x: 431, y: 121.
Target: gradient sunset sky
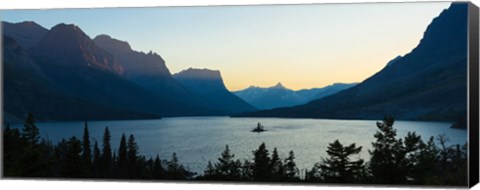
x: 302, y: 46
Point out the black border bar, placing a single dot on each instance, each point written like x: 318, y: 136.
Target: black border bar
x: 473, y: 59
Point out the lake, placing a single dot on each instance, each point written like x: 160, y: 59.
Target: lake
x: 197, y: 140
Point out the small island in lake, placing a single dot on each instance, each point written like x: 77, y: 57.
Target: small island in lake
x: 259, y: 128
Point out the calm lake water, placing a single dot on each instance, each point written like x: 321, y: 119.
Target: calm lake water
x: 197, y: 140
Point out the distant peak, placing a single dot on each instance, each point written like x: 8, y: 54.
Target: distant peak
x: 67, y: 29
x: 279, y: 85
x: 69, y: 26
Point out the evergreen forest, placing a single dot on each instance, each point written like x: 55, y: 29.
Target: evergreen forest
x: 410, y: 160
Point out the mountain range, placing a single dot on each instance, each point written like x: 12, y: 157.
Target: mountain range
x: 27, y: 89
x: 280, y: 96
x: 429, y: 83
x: 63, y: 74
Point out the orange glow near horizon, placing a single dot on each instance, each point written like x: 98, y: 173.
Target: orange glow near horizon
x: 301, y: 46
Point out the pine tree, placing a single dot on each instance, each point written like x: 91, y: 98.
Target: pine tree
x: 236, y: 169
x: 291, y: 170
x: 412, y: 150
x: 157, y: 169
x: 224, y: 162
x: 74, y: 165
x: 210, y: 172
x: 96, y: 162
x: 276, y: 166
x: 106, y: 163
x: 458, y: 169
x: 247, y: 170
x: 261, y: 167
x: 132, y: 154
x: 12, y: 149
x: 423, y: 164
x: 444, y: 152
x: 314, y: 174
x: 46, y: 164
x: 30, y: 133
x: 114, y: 171
x: 122, y: 160
x: 338, y: 168
x: 87, y: 153
x: 31, y: 154
x: 388, y: 156
x: 227, y: 168
x: 174, y: 168
x: 176, y: 171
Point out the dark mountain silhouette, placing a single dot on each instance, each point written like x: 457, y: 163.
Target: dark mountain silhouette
x: 149, y: 71
x: 136, y: 64
x: 280, y: 96
x: 27, y: 34
x: 429, y: 83
x: 26, y: 89
x: 68, y: 45
x: 209, y: 86
x: 85, y: 71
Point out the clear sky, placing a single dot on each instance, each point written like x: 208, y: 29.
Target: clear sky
x: 302, y: 46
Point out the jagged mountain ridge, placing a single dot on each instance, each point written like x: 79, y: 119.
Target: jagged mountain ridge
x: 27, y: 89
x: 68, y: 45
x: 84, y: 71
x: 78, y: 70
x: 149, y: 71
x: 280, y: 96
